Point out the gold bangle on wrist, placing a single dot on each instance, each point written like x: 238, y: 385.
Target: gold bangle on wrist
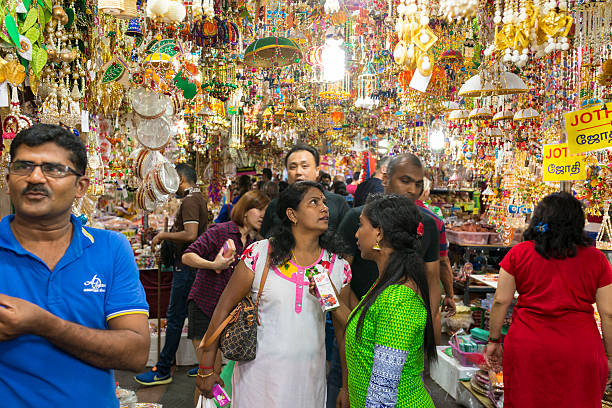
x: 199, y: 374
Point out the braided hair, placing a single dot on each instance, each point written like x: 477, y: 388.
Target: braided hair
x: 399, y: 218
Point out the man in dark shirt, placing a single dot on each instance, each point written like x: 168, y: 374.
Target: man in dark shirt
x: 266, y: 177
x: 302, y: 163
x: 404, y: 176
x: 325, y: 180
x: 372, y: 185
x: 189, y: 223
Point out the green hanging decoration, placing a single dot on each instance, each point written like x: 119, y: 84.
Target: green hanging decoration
x: 39, y: 59
x: 167, y: 46
x: 44, y: 15
x: 70, y: 14
x: 11, y: 29
x: 113, y: 72
x: 32, y: 34
x: 189, y: 89
x: 30, y: 20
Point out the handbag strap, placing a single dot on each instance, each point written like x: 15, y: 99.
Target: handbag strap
x: 264, y: 276
x: 207, y: 342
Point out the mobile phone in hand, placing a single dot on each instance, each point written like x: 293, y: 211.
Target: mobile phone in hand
x: 229, y: 248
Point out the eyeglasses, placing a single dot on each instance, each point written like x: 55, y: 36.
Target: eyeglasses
x: 55, y: 170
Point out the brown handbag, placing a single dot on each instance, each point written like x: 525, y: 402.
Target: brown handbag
x: 238, y: 331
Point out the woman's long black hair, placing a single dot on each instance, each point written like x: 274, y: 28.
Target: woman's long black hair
x: 282, y: 238
x: 399, y: 218
x: 557, y: 227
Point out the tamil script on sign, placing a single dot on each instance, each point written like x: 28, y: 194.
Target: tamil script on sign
x: 571, y: 169
x: 589, y: 129
x: 559, y: 165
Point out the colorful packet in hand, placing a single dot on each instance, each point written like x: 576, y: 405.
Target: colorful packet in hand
x: 220, y: 396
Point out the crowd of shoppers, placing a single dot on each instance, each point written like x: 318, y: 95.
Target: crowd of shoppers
x: 385, y: 258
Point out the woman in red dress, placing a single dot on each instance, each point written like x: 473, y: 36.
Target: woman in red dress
x: 553, y: 355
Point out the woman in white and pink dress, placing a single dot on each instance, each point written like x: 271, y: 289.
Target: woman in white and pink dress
x: 289, y: 370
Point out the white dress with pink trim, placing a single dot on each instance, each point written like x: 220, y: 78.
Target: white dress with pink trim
x: 289, y: 370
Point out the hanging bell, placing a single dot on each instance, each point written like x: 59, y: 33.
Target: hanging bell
x: 134, y: 29
x: 75, y: 94
x: 296, y: 106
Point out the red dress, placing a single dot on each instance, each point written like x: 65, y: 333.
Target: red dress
x: 553, y: 354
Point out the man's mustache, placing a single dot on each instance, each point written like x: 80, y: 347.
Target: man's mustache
x: 35, y: 188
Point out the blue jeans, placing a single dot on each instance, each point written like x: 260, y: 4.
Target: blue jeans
x: 182, y: 280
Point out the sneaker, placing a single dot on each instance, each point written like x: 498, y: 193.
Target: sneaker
x: 153, y: 377
x: 193, y: 372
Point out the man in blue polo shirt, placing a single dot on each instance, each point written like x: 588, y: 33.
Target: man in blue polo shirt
x: 71, y: 305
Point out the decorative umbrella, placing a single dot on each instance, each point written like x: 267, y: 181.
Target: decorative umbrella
x: 450, y: 57
x: 526, y: 114
x: 272, y: 52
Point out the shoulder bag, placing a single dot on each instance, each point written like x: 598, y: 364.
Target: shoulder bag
x: 238, y: 331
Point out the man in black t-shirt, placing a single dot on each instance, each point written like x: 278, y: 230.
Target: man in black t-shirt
x: 404, y: 176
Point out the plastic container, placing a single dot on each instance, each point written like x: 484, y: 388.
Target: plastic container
x: 472, y: 238
x: 466, y: 359
x: 451, y: 236
x: 495, y: 239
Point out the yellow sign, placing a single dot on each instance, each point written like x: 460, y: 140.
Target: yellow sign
x: 560, y: 166
x: 589, y: 129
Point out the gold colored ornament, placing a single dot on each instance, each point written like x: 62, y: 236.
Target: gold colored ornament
x: 15, y: 72
x: 34, y: 82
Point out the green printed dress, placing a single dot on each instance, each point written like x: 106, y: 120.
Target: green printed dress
x: 385, y: 366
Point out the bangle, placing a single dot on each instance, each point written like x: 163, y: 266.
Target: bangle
x: 201, y: 367
x: 205, y: 375
x: 497, y: 340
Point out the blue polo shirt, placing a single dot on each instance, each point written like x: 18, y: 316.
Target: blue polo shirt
x: 96, y: 280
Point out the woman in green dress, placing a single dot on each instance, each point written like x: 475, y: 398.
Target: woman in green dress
x: 390, y: 332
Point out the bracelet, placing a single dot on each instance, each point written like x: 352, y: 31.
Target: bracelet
x: 497, y: 340
x: 205, y: 375
x: 201, y: 367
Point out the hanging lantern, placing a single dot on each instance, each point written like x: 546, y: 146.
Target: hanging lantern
x: 367, y: 84
x: 272, y: 52
x: 237, y: 130
x: 337, y: 117
x: 134, y: 29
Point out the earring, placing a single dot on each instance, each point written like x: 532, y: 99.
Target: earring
x: 376, y: 246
